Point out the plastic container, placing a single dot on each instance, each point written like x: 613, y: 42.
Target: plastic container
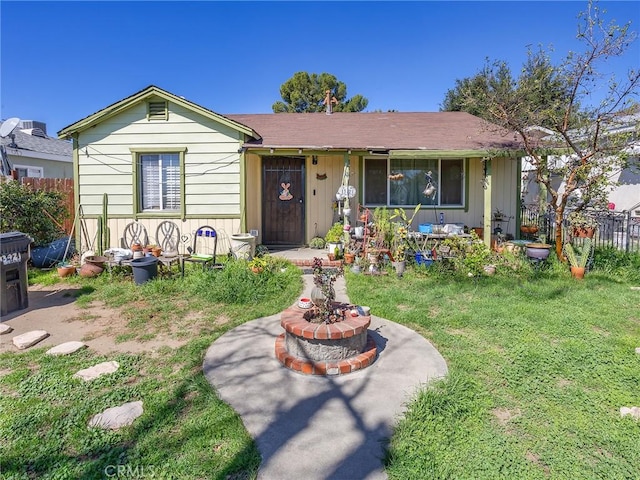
x: 423, y: 259
x: 144, y: 269
x: 243, y: 245
x: 425, y: 228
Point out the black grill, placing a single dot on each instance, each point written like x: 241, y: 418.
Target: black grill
x: 14, y: 255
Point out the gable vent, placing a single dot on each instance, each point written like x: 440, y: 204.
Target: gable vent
x: 157, y: 110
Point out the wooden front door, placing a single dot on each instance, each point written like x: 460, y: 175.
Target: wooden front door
x: 283, y: 200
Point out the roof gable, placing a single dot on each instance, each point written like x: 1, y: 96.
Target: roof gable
x: 151, y: 92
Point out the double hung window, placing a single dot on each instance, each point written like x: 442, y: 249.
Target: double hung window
x: 159, y: 181
x: 408, y: 182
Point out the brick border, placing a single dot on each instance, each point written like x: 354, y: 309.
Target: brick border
x: 309, y: 367
x: 293, y: 322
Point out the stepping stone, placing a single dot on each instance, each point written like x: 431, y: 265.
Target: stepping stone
x: 29, y: 339
x: 635, y: 288
x: 631, y: 411
x: 638, y: 350
x: 116, y: 417
x: 66, y: 348
x: 96, y: 371
x: 5, y: 328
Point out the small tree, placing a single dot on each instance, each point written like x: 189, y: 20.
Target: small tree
x: 306, y: 93
x: 23, y: 210
x: 578, y: 143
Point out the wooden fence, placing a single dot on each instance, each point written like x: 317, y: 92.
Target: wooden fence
x: 62, y: 185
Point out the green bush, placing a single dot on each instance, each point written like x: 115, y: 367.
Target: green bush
x: 23, y: 210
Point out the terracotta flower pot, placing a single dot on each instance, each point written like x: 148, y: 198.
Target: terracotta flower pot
x: 349, y: 257
x: 66, y: 271
x: 90, y: 270
x: 583, y: 232
x: 577, y: 272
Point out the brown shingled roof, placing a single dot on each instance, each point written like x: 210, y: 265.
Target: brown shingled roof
x: 444, y: 131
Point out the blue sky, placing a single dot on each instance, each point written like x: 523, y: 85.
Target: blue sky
x: 62, y: 61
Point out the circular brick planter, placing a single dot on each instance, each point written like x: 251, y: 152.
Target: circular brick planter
x: 324, y: 349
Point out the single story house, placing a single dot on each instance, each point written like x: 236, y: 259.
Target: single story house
x: 32, y: 153
x: 158, y: 156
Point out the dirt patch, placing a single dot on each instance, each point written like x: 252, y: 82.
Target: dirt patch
x: 54, y: 309
x: 504, y: 415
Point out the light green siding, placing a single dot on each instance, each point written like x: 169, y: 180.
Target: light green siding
x: 211, y: 182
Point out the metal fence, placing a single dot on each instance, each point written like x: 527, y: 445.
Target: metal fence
x: 615, y: 229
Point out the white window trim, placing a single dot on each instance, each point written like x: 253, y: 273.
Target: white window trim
x: 29, y: 168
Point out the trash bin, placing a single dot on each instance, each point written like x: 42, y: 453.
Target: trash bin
x: 14, y: 255
x: 243, y: 245
x: 144, y: 269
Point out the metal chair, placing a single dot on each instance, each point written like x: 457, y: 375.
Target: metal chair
x: 204, y: 250
x: 134, y: 232
x: 168, y: 238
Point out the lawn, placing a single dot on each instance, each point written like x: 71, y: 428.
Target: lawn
x: 539, y: 366
x: 538, y: 370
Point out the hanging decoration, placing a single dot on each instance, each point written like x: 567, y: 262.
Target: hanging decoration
x: 321, y: 176
x: 430, y: 190
x: 285, y: 194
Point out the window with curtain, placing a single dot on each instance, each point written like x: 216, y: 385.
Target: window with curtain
x: 160, y: 181
x: 404, y: 182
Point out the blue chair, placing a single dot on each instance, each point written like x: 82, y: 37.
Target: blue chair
x: 204, y: 250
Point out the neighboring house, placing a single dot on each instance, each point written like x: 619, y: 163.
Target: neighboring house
x: 32, y: 153
x: 158, y: 156
x: 625, y: 192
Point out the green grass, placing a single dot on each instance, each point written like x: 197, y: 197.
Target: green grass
x: 538, y: 368
x: 186, y: 431
x: 539, y: 365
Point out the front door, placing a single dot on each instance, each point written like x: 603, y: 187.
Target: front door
x: 283, y: 200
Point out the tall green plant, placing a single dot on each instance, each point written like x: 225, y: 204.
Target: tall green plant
x: 23, y: 209
x: 577, y: 255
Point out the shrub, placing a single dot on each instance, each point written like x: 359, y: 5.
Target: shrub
x: 23, y: 210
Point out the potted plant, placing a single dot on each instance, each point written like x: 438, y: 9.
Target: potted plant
x: 334, y: 237
x: 578, y: 256
x: 529, y: 228
x: 257, y: 264
x: 498, y: 216
x: 352, y: 249
x: 582, y: 226
x: 317, y: 242
x: 323, y: 293
x: 65, y: 269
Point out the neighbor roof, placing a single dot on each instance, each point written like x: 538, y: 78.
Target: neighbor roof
x: 34, y: 143
x: 434, y: 131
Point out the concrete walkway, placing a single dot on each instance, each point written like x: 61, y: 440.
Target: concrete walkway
x: 320, y: 427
